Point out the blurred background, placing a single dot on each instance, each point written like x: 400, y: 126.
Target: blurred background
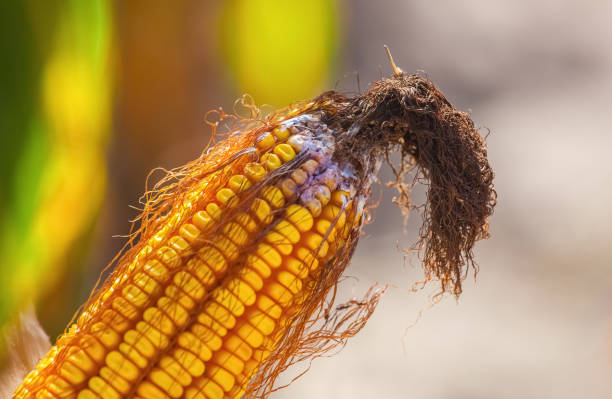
x: 95, y: 94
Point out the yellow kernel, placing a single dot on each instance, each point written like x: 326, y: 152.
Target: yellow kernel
x: 285, y: 152
x: 103, y: 388
x: 264, y: 141
x: 131, y: 353
x: 270, y: 161
x: 117, y: 362
x: 300, y: 217
x: 146, y: 283
x: 156, y: 270
x: 238, y: 183
x: 288, y: 231
x: 315, y: 243
x: 290, y: 281
x: 261, y: 321
x: 150, y: 391
x: 190, y: 232
x: 115, y: 380
x: 269, y: 254
x: 168, y: 256
x: 156, y: 337
x: 107, y: 336
x: 164, y: 381
x: 322, y: 193
x: 83, y: 394
x: 222, y: 377
x: 299, y: 176
x: 228, y: 361
x: 159, y: 320
x: 340, y: 197
x: 187, y: 340
x: 214, y: 211
x: 314, y: 206
x: 138, y: 341
x: 173, y: 310
x: 295, y: 266
x: 56, y: 385
x: 226, y: 247
x: 189, y: 361
x: 220, y: 314
x: 180, y: 296
x: 247, y: 222
x: 210, y: 389
x: 135, y: 295
x: 92, y: 347
x: 242, y: 291
x: 80, y: 358
x: 173, y: 368
x: 189, y: 284
x: 180, y: 245
x: 254, y: 171
x: 209, y: 336
x: 310, y: 166
x: 203, y: 221
x: 281, y: 133
x: 226, y: 196
x: 268, y: 306
x: 125, y: 308
x: 279, y: 241
x: 252, y: 278
x: 261, y: 210
x: 306, y: 256
x: 72, y: 373
x: 43, y: 393
x: 236, y: 233
x: 228, y: 300
x: 335, y: 214
x: 250, y: 335
x: 237, y: 346
x: 114, y: 319
x: 259, y: 265
x: 206, y: 320
x: 288, y: 188
x: 213, y: 258
x: 296, y: 142
x: 278, y: 293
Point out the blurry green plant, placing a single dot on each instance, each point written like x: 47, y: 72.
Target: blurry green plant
x: 54, y: 119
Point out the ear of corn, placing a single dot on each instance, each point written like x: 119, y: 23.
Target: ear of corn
x: 202, y: 305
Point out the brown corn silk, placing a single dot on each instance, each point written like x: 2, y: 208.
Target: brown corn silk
x: 351, y: 136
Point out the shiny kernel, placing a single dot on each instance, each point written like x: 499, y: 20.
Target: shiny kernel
x: 117, y: 362
x: 209, y: 337
x: 115, y: 380
x: 315, y: 243
x: 229, y: 250
x: 190, y: 285
x: 279, y: 294
x: 269, y: 255
x: 174, y: 311
x: 269, y: 307
x: 56, y: 385
x: 93, y: 348
x: 139, y: 341
x: 190, y: 232
x: 220, y: 314
x: 259, y: 265
x: 250, y: 335
x: 114, y: 319
x: 84, y: 394
x: 296, y: 142
x: 43, y: 393
x: 156, y: 270
x: 288, y: 188
x: 107, y: 336
x: 146, y: 283
x: 206, y: 320
x: 149, y: 391
x: 306, y: 256
x: 237, y: 346
x: 254, y: 171
x: 290, y: 281
x: 279, y: 241
x: 228, y: 300
x: 222, y: 377
x: 288, y: 231
x: 261, y: 210
x: 189, y: 361
x: 72, y: 373
x: 213, y: 258
x: 80, y: 358
x: 159, y: 320
x: 101, y: 387
x: 314, y: 206
x: 281, y: 133
x: 264, y: 141
x: 335, y: 214
x: 189, y: 341
x: 236, y: 392
x: 214, y: 211
x: 173, y: 368
x: 180, y: 245
x: 261, y: 321
x: 340, y: 197
x: 310, y: 166
x: 295, y: 266
x: 285, y: 152
x: 251, y: 278
x: 226, y: 196
x: 156, y: 337
x: 238, y: 183
x: 203, y: 273
x: 132, y: 353
x: 164, y: 381
x: 300, y: 217
x: 203, y: 221
x: 242, y: 291
x: 228, y: 361
x: 247, y: 222
x: 322, y: 193
x: 179, y: 295
x: 236, y: 233
x: 299, y: 176
x: 135, y: 295
x: 168, y: 256
x: 211, y: 389
x: 271, y: 161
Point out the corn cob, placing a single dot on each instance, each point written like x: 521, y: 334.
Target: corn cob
x: 251, y: 242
